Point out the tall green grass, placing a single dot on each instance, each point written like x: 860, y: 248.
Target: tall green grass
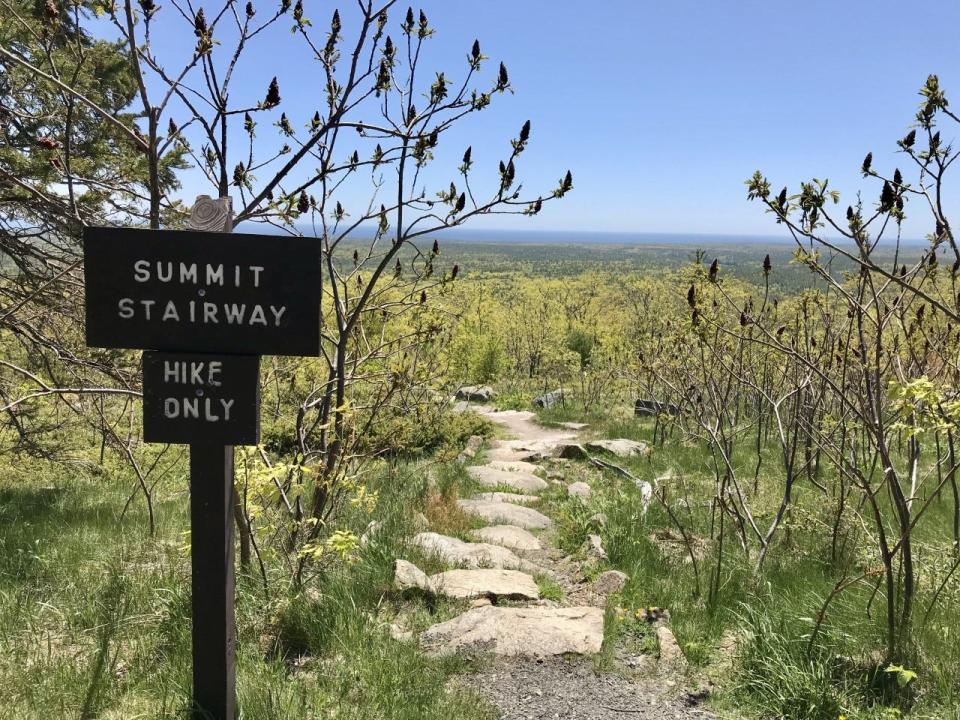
x: 95, y: 615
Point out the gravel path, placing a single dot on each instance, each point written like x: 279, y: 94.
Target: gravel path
x: 570, y: 689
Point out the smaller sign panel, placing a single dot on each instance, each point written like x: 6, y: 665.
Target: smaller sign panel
x: 192, y: 398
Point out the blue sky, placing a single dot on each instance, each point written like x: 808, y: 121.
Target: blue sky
x: 662, y: 109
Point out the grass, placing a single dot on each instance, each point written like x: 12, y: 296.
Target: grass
x: 95, y: 614
x: 772, y: 612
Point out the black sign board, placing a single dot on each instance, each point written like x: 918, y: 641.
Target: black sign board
x: 190, y: 398
x: 202, y: 291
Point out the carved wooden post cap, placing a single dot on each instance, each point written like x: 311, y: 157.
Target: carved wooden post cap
x: 211, y: 214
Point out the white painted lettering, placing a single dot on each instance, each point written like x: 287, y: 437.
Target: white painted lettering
x: 207, y: 415
x: 214, y: 275
x: 171, y: 408
x: 188, y: 273
x: 161, y: 274
x: 170, y: 312
x: 257, y: 269
x: 147, y: 304
x: 257, y: 316
x: 141, y: 270
x: 171, y: 371
x: 125, y: 308
x: 277, y: 314
x: 213, y: 369
x: 227, y: 404
x: 191, y: 408
x: 210, y: 313
x: 234, y: 313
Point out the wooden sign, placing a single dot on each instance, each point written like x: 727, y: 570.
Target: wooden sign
x: 202, y: 291
x: 190, y: 398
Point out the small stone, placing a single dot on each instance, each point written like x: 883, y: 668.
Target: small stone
x: 572, y: 451
x: 671, y: 656
x: 610, y: 582
x: 400, y: 634
x: 407, y: 576
x: 420, y: 522
x: 370, y: 534
x: 480, y: 602
x: 474, y: 443
x: 476, y: 393
x: 580, y: 490
x: 593, y: 548
x: 598, y: 520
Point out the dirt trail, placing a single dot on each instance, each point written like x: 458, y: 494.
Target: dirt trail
x: 525, y: 684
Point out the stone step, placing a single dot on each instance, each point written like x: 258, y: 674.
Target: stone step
x: 533, y: 631
x: 514, y: 466
x: 485, y: 582
x: 509, y: 536
x: 507, y: 514
x: 520, y: 481
x: 509, y: 497
x: 454, y: 551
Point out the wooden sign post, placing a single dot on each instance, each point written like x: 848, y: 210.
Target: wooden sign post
x: 213, y: 303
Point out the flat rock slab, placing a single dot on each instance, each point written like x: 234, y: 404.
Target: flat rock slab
x: 509, y: 497
x: 534, y: 631
x: 513, y: 466
x: 580, y: 490
x: 507, y: 514
x: 520, y: 481
x: 573, y: 425
x: 620, y: 447
x: 503, y: 453
x: 509, y: 536
x: 471, y: 555
x: 485, y: 582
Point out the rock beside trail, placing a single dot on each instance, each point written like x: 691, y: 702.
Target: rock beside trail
x: 507, y: 514
x: 509, y: 536
x: 476, y: 393
x: 407, y: 576
x: 620, y: 447
x: 548, y: 400
x: 573, y: 425
x: 610, y: 582
x: 370, y: 534
x: 580, y: 490
x: 536, y: 632
x: 493, y: 477
x: 593, y: 548
x: 671, y: 656
x: 485, y: 582
x: 463, y: 554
